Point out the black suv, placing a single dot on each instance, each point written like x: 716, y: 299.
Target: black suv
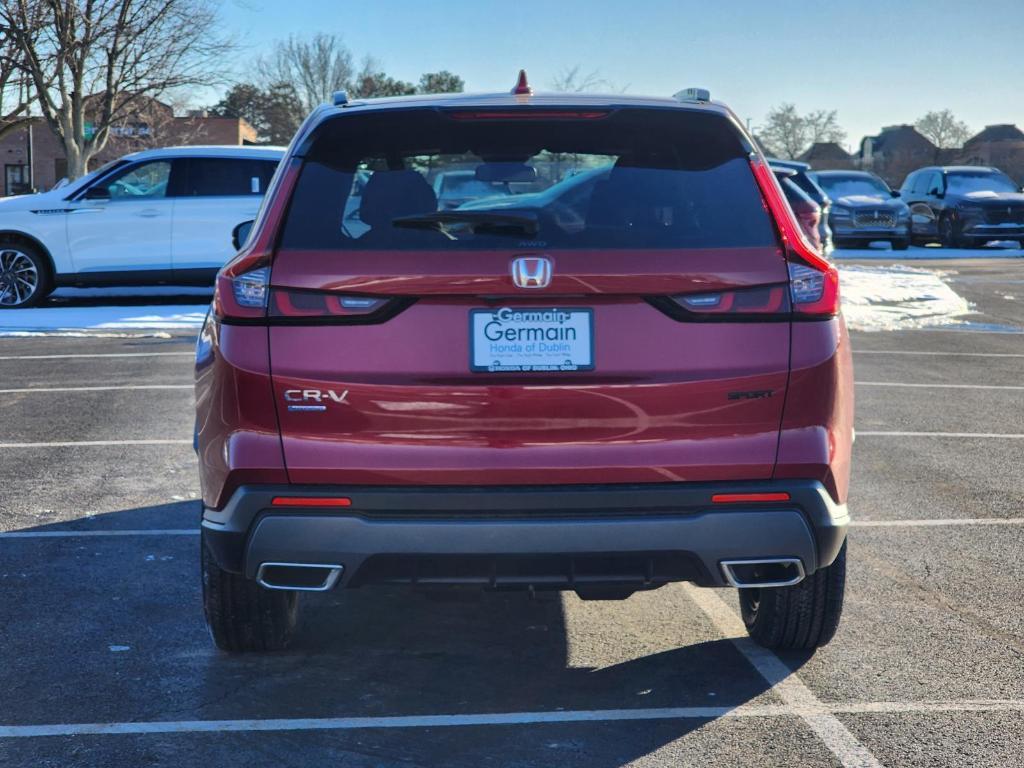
x: 864, y: 209
x: 963, y: 205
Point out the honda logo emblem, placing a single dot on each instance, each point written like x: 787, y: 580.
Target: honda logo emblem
x: 531, y: 272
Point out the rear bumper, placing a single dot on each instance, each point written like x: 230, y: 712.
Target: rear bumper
x: 567, y: 535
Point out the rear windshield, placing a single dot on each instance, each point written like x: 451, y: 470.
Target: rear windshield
x: 429, y: 179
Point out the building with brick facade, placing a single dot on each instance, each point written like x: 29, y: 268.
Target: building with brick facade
x: 157, y: 126
x: 999, y: 146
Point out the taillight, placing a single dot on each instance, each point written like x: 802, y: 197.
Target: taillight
x: 241, y: 289
x: 292, y: 303
x: 762, y: 302
x: 814, y: 281
x: 242, y: 286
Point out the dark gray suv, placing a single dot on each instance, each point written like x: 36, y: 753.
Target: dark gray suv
x: 864, y: 209
x: 963, y: 206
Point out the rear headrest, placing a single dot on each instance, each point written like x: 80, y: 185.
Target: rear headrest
x: 390, y: 194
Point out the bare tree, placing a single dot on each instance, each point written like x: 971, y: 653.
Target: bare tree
x: 788, y: 134
x: 943, y: 129
x: 315, y: 68
x: 823, y: 126
x: 15, y: 84
x: 575, y: 80
x: 95, y: 62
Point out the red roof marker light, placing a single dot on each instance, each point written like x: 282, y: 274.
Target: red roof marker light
x: 522, y: 88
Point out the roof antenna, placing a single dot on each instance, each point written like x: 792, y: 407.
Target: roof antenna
x: 522, y: 88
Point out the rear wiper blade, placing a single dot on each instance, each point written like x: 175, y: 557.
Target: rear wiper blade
x: 490, y: 220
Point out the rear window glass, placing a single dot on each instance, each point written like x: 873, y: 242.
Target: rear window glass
x: 227, y: 177
x: 426, y: 179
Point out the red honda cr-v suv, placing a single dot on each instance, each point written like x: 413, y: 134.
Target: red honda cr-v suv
x: 620, y: 365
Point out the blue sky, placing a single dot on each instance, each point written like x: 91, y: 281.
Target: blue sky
x: 876, y: 63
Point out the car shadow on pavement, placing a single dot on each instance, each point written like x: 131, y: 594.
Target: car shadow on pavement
x: 369, y: 652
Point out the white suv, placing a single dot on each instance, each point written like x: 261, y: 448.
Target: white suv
x: 158, y: 216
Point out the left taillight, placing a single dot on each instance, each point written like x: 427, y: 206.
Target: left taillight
x: 813, y: 279
x: 243, y: 288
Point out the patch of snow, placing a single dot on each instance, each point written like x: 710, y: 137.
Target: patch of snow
x: 997, y: 249
x: 898, y: 297
x: 76, y: 320
x: 136, y: 290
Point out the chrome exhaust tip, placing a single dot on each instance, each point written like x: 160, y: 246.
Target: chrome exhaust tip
x: 769, y: 572
x: 299, y: 577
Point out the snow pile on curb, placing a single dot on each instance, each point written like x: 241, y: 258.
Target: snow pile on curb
x: 1004, y: 249
x: 73, y: 321
x: 897, y: 297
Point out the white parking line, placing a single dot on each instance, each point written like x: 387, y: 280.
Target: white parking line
x: 512, y: 718
x: 1016, y: 387
x: 783, y: 681
x: 923, y: 523
x: 103, y: 354
x: 89, y: 443
x: 106, y: 388
x: 75, y: 534
x: 934, y: 353
x: 993, y: 435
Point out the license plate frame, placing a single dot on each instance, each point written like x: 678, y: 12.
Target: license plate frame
x: 544, y: 355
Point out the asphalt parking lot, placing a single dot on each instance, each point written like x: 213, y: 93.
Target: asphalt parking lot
x: 106, y: 661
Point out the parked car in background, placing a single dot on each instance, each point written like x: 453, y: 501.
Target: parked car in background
x: 660, y: 392
x: 802, y: 179
x: 864, y: 209
x: 808, y: 212
x: 453, y: 188
x: 565, y: 202
x: 158, y: 216
x: 963, y: 205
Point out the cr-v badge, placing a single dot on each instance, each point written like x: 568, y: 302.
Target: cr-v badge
x: 531, y: 272
x: 312, y: 399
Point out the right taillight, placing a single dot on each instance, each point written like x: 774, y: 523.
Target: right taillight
x: 813, y: 280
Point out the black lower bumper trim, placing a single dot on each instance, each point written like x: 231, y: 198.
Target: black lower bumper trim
x: 442, y: 526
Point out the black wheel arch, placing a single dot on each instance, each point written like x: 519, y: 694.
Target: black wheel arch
x: 17, y: 236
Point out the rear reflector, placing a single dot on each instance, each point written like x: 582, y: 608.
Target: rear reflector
x: 311, y: 501
x: 740, y: 498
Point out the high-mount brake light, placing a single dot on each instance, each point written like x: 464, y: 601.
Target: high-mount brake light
x: 814, y: 280
x: 529, y: 114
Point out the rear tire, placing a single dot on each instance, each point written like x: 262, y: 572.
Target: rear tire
x: 804, y: 616
x: 243, y: 616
